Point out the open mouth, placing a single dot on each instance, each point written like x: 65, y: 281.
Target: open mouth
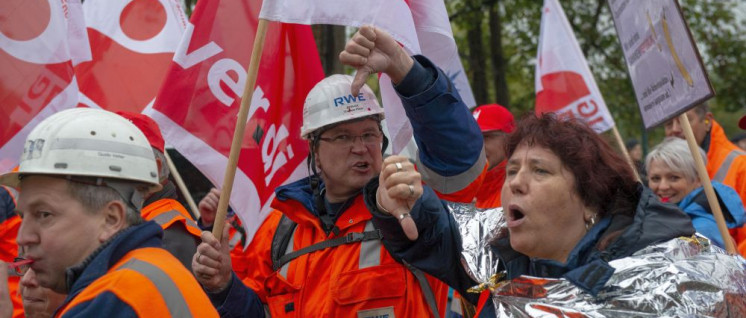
x: 361, y: 165
x: 515, y: 216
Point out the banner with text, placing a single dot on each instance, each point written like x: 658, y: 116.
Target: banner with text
x: 36, y: 68
x: 198, y: 103
x: 662, y: 59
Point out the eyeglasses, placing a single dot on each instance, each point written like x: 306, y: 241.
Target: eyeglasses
x: 369, y: 138
x: 19, y: 266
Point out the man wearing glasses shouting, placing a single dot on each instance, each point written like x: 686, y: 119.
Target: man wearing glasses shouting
x: 318, y: 254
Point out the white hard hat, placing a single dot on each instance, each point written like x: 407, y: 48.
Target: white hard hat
x: 331, y: 102
x: 87, y: 142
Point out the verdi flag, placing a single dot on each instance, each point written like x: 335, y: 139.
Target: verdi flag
x: 564, y: 83
x: 421, y: 26
x: 37, y: 77
x: 132, y: 45
x: 198, y: 103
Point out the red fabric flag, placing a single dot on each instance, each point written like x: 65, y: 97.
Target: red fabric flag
x: 37, y: 76
x: 199, y: 101
x: 564, y: 83
x: 132, y: 45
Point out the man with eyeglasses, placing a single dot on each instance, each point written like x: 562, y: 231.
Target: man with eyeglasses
x: 318, y: 254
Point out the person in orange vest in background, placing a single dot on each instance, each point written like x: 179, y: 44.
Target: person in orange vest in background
x: 82, y: 180
x: 208, y: 208
x: 181, y: 234
x: 9, y: 223
x: 726, y: 163
x: 741, y: 232
x: 495, y: 122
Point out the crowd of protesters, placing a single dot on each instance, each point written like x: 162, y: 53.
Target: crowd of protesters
x: 93, y: 226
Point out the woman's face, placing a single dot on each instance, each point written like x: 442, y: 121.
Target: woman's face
x: 546, y: 216
x: 668, y: 184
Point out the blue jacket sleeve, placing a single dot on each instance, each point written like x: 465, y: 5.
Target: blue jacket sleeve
x: 237, y: 300
x: 437, y: 251
x: 449, y: 140
x: 7, y: 206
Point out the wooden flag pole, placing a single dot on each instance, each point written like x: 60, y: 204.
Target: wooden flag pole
x: 707, y: 184
x: 243, y: 113
x: 623, y: 147
x: 182, y: 186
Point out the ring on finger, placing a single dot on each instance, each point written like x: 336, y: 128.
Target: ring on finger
x: 411, y: 190
x: 399, y: 167
x: 403, y: 216
x: 198, y: 256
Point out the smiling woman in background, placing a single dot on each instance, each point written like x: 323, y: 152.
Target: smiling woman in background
x: 672, y: 175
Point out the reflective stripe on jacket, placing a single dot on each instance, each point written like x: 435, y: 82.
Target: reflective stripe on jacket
x: 146, y: 282
x: 726, y: 163
x: 168, y: 211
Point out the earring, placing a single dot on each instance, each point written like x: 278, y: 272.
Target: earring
x: 707, y: 121
x: 590, y: 223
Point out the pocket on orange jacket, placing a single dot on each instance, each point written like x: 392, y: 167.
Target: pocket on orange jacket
x: 282, y: 305
x: 377, y: 282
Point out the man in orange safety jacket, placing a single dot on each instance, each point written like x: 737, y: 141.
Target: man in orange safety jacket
x: 82, y: 184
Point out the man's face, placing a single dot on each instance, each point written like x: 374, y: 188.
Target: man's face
x: 494, y: 147
x: 700, y: 126
x: 348, y: 156
x: 57, y: 231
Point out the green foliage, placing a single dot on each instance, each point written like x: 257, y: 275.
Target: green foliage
x: 714, y: 25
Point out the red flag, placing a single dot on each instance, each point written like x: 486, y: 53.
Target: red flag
x: 37, y: 77
x: 132, y: 44
x: 564, y: 83
x: 421, y: 26
x: 199, y: 101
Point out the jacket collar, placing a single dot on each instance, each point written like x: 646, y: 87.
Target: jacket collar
x: 587, y: 266
x: 296, y: 201
x: 97, y: 264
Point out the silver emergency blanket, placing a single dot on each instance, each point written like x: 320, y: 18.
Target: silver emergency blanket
x: 683, y: 277
x: 478, y: 227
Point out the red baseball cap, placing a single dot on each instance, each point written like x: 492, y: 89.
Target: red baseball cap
x: 742, y: 122
x: 148, y: 127
x: 493, y: 117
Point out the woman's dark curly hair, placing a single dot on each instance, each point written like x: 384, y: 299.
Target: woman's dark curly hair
x: 603, y: 179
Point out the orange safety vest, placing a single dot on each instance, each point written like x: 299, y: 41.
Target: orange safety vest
x: 168, y: 211
x: 726, y: 163
x: 358, y: 279
x: 9, y: 251
x: 490, y: 191
x: 153, y: 283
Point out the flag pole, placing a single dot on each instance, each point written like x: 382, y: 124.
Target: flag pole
x: 243, y: 113
x: 707, y: 184
x: 623, y: 148
x: 180, y: 183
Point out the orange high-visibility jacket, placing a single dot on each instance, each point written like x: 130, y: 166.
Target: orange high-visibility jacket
x: 351, y: 280
x: 726, y: 163
x: 146, y: 282
x: 9, y: 224
x: 489, y: 194
x: 168, y: 211
x: 239, y: 262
